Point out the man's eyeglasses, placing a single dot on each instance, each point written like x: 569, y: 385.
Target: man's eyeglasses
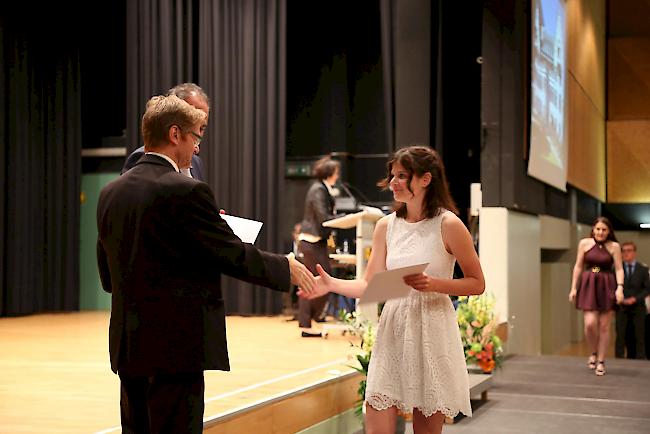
x: 197, y: 137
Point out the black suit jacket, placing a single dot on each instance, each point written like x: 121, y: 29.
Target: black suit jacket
x: 161, y: 249
x: 196, y: 170
x: 319, y: 207
x: 638, y: 284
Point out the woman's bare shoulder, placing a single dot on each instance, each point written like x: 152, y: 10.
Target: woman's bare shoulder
x: 449, y: 218
x: 382, y: 223
x: 586, y: 242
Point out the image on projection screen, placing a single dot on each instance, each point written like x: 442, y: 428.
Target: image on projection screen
x: 548, y: 139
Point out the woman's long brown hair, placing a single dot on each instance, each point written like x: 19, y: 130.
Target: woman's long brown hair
x: 418, y: 160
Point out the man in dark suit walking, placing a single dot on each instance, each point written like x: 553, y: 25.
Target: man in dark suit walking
x: 632, y: 310
x: 167, y: 325
x: 195, y: 96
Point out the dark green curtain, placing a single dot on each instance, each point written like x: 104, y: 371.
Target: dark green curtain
x: 40, y: 132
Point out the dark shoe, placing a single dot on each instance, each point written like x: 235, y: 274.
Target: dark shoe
x: 311, y: 335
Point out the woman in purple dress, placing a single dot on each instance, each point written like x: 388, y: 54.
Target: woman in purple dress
x: 597, y: 286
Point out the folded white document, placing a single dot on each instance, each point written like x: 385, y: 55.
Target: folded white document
x: 247, y: 230
x: 389, y: 284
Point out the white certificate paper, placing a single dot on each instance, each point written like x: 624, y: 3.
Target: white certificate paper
x: 390, y: 284
x: 247, y: 230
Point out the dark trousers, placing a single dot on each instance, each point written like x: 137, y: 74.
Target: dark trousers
x: 634, y: 316
x: 164, y: 403
x: 647, y: 336
x: 311, y: 254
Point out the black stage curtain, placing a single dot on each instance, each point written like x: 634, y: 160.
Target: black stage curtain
x: 242, y: 68
x: 391, y: 44
x: 160, y: 47
x: 235, y: 51
x: 40, y: 172
x: 387, y: 14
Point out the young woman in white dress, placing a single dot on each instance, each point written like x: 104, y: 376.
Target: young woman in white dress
x: 417, y: 362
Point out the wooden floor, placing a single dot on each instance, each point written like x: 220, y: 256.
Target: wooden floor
x: 582, y: 349
x: 55, y: 376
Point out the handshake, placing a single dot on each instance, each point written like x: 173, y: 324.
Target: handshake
x: 301, y: 276
x: 309, y: 287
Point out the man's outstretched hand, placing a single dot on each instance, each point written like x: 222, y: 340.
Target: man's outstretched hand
x: 301, y: 276
x: 323, y: 283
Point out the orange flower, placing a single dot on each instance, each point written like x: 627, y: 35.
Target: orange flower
x: 486, y: 365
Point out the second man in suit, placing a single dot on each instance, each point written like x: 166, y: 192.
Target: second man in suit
x: 632, y: 309
x: 195, y: 96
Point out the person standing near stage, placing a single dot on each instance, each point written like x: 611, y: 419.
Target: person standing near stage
x: 632, y: 310
x: 161, y: 249
x: 312, y: 244
x: 596, y: 288
x: 196, y: 97
x: 417, y: 362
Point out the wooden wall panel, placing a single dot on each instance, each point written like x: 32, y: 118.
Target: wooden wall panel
x: 294, y: 413
x: 586, y: 27
x: 628, y: 79
x: 628, y: 161
x: 586, y: 32
x: 628, y: 18
x: 586, y: 143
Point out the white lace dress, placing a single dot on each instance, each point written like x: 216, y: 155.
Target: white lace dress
x: 417, y: 360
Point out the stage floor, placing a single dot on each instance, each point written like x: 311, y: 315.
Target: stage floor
x: 55, y: 375
x: 561, y: 395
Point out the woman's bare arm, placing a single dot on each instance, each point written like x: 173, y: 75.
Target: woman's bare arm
x: 376, y: 263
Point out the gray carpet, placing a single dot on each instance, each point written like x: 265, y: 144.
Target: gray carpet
x: 558, y: 395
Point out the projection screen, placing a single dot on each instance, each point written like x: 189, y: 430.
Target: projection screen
x: 548, y: 127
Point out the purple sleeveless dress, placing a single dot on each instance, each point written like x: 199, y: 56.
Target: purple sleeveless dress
x: 597, y: 282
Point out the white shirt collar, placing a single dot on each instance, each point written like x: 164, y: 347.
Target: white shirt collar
x: 173, y: 163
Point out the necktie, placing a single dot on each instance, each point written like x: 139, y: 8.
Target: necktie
x: 628, y: 270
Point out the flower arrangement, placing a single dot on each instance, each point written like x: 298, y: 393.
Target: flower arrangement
x: 365, y: 330
x: 478, y: 325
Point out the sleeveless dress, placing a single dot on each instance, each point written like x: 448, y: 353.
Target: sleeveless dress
x: 417, y: 359
x: 597, y: 282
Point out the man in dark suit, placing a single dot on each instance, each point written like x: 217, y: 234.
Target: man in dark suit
x: 632, y: 310
x: 195, y: 96
x: 161, y: 249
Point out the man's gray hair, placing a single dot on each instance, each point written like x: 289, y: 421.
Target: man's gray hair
x: 185, y: 90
